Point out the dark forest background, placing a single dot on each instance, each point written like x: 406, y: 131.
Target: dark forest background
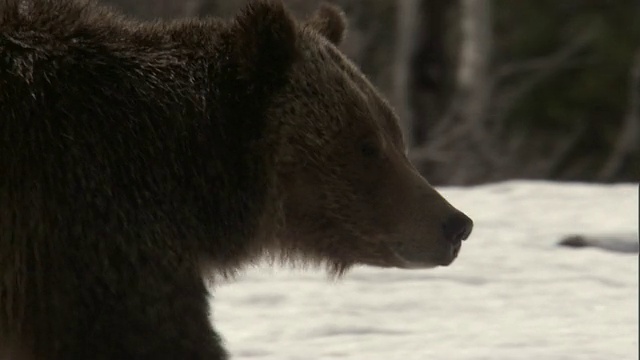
x: 489, y: 90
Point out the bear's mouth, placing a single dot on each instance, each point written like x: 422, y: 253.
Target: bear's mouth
x: 410, y: 258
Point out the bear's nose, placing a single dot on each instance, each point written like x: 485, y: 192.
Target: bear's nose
x: 457, y: 228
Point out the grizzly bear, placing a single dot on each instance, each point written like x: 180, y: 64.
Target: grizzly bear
x: 138, y: 158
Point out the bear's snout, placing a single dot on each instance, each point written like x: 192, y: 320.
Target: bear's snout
x: 457, y: 228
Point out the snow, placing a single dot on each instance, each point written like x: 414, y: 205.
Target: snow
x: 513, y: 293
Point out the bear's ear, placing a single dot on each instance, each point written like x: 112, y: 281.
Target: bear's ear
x: 330, y: 21
x: 264, y: 38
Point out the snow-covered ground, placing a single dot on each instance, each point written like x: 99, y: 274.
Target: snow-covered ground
x: 512, y: 294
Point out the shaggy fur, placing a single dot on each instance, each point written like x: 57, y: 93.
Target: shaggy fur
x: 134, y: 157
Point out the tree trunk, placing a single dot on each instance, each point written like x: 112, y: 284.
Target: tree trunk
x: 407, y: 11
x: 628, y: 142
x: 475, y: 154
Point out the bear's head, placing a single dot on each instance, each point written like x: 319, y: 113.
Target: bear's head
x: 348, y: 193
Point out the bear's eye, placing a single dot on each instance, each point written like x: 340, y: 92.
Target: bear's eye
x: 369, y: 149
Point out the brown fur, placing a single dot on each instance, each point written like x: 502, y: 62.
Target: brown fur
x: 133, y: 156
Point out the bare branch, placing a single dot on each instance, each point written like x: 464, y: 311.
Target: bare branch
x: 562, y: 152
x: 542, y: 69
x: 434, y: 149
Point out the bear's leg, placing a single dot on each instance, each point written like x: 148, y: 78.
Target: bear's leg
x: 137, y: 310
x: 161, y: 319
